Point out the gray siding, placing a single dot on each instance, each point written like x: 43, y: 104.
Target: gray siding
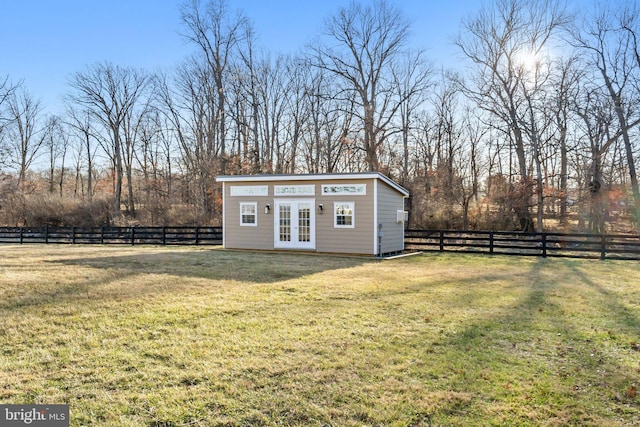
x: 358, y: 240
x: 362, y: 239
x: 245, y: 237
x: 389, y: 202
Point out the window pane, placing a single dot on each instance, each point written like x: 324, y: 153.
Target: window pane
x: 344, y: 214
x: 248, y: 214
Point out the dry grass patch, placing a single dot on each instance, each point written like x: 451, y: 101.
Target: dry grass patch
x: 163, y: 336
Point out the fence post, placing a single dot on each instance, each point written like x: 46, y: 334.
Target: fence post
x: 603, y: 246
x: 73, y: 235
x: 102, y: 235
x: 46, y: 234
x: 133, y: 235
x: 441, y: 241
x: 164, y: 236
x: 197, y: 235
x: 544, y: 245
x: 491, y: 242
x: 21, y: 235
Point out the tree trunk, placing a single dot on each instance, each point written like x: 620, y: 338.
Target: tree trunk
x: 132, y: 208
x: 89, y: 168
x: 118, y: 164
x: 596, y: 220
x: 624, y: 129
x: 564, y: 192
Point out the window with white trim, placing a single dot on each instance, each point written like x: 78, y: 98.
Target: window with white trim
x: 343, y: 214
x: 249, y: 213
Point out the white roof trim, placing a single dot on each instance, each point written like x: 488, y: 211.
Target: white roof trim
x: 313, y: 177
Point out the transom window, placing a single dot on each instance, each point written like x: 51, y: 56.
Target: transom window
x: 248, y: 214
x: 344, y: 214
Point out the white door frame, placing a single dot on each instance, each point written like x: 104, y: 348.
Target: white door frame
x: 295, y: 242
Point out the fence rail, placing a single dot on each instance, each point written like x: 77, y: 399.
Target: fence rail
x: 602, y: 246
x: 113, y: 235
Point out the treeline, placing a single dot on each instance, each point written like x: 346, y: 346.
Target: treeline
x: 538, y: 128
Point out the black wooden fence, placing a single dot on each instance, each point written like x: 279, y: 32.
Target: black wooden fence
x: 602, y: 246
x: 113, y: 235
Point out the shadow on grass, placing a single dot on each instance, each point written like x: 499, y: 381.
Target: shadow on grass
x: 253, y: 267
x: 122, y: 277
x: 542, y: 342
x: 504, y: 363
x: 613, y: 306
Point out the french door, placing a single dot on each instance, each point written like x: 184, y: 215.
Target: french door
x: 294, y: 224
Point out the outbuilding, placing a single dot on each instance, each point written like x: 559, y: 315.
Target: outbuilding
x: 355, y: 213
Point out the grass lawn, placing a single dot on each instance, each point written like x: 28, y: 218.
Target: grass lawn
x: 192, y: 336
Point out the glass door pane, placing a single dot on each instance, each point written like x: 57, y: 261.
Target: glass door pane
x: 285, y: 222
x: 304, y: 222
x: 294, y: 224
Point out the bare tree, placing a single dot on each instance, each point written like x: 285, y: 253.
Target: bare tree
x: 56, y: 139
x: 110, y: 93
x: 566, y: 78
x: 298, y: 102
x: 6, y: 91
x: 271, y: 86
x: 186, y: 105
x: 412, y: 78
x: 217, y: 33
x: 25, y: 139
x: 599, y: 125
x: 610, y: 44
x: 246, y: 73
x: 474, y: 134
x: 80, y: 123
x: 497, y: 41
x: 152, y: 155
x: 243, y: 157
x: 364, y: 42
x: 597, y: 119
x: 446, y: 134
x: 327, y: 132
x: 535, y: 123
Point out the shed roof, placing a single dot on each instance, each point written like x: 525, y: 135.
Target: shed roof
x: 314, y: 177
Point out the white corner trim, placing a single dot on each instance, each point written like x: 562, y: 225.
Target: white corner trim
x: 375, y: 217
x: 224, y: 216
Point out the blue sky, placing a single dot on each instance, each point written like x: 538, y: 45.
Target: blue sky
x: 45, y: 41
